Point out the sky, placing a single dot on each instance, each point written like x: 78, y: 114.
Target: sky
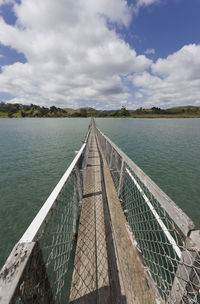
x: 99, y: 53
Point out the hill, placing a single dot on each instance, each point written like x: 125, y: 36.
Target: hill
x: 185, y: 109
x: 19, y: 110
x: 89, y: 110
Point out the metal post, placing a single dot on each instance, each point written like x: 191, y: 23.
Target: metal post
x: 111, y: 157
x: 79, y: 194
x: 106, y: 151
x: 121, y: 179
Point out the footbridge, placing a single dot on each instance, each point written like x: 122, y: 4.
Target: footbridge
x: 106, y: 234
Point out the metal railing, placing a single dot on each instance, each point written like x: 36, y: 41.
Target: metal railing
x: 164, y: 236
x: 40, y: 266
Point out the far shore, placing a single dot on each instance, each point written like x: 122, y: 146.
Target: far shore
x: 125, y: 117
x: 8, y: 110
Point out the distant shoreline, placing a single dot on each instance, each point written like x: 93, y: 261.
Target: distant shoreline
x: 134, y: 117
x: 35, y: 111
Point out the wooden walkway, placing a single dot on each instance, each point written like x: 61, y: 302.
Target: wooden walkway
x: 107, y: 268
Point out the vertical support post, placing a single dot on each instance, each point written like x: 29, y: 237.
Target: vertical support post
x: 103, y: 144
x: 79, y: 194
x: 186, y: 285
x: 111, y: 157
x: 121, y: 179
x: 109, y: 152
x: 106, y: 151
x: 85, y: 160
x: 24, y: 275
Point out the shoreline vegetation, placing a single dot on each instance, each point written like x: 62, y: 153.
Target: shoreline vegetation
x: 8, y: 110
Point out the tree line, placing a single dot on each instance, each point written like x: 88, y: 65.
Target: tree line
x: 32, y: 110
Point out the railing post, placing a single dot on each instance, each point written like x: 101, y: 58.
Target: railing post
x: 106, y: 151
x: 12, y: 272
x: 186, y: 285
x: 24, y: 275
x: 121, y: 179
x: 79, y: 194
x: 111, y: 157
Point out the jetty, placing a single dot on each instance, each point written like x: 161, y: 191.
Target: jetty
x: 106, y: 234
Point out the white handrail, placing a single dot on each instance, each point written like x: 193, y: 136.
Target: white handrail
x: 157, y: 217
x: 37, y: 223
x: 184, y: 223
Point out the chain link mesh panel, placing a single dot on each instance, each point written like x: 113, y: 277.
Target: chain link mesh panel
x: 172, y: 258
x: 49, y: 265
x: 47, y: 278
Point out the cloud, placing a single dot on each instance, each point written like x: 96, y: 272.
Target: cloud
x: 71, y: 54
x: 142, y: 3
x: 72, y: 57
x: 149, y: 51
x: 2, y: 2
x: 174, y: 80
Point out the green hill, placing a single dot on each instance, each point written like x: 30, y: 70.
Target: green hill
x: 19, y: 110
x: 184, y: 109
x: 79, y: 110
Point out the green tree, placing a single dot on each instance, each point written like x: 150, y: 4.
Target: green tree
x: 139, y: 111
x: 23, y: 114
x: 83, y: 112
x: 115, y: 113
x: 124, y: 112
x: 53, y: 109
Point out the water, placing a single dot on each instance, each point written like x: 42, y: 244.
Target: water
x: 168, y: 150
x: 34, y: 153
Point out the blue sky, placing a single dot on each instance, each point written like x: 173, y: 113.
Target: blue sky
x: 165, y: 27
x: 100, y: 53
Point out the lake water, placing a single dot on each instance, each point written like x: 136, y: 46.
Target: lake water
x: 34, y: 153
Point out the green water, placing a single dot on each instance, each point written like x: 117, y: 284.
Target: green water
x: 34, y: 153
x: 168, y: 150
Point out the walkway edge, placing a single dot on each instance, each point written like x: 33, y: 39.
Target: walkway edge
x: 131, y: 271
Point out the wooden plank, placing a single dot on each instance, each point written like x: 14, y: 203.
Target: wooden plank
x: 12, y: 272
x: 90, y: 267
x: 84, y: 276
x: 101, y: 249
x: 133, y: 278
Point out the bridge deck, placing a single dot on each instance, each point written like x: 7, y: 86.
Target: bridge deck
x: 106, y: 268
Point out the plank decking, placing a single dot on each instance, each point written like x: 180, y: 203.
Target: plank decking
x: 91, y: 267
x: 107, y: 268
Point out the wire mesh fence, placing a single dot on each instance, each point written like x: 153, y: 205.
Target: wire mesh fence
x: 40, y: 267
x: 168, y: 248
x: 64, y: 254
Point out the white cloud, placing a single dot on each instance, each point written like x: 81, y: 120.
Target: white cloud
x: 149, y: 51
x: 2, y: 2
x: 146, y: 2
x: 173, y: 81
x: 71, y: 54
x: 142, y: 3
